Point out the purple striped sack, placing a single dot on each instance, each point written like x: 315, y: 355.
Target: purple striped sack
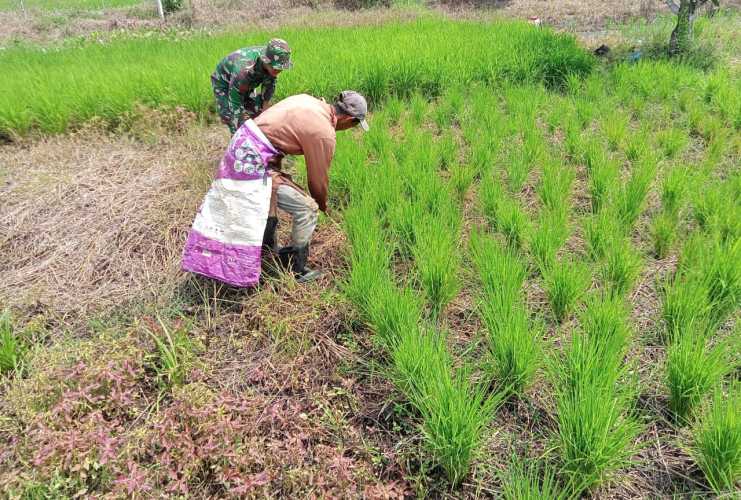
x: 225, y: 240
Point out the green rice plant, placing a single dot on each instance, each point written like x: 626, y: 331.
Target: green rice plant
x: 175, y: 352
x: 722, y: 272
x: 418, y: 107
x: 446, y: 150
x: 555, y: 185
x: 685, y: 308
x: 673, y: 191
x: 565, y: 283
x: 595, y: 403
x: 455, y: 415
x: 512, y: 221
x: 518, y: 167
x: 596, y: 432
x: 605, y: 321
x: 575, y: 142
x: 392, y: 311
x: 491, y: 197
x: 603, y: 174
x: 621, y: 266
x: 717, y: 208
x: 12, y: 347
x: 498, y: 266
x: 530, y: 480
x: 693, y: 370
x: 436, y: 258
x: 636, y: 148
x: 630, y: 199
x: 548, y: 236
x: 461, y: 177
x: 514, y: 344
x: 716, y: 441
x: 601, y: 231
x: 616, y: 128
x: 663, y: 232
x: 672, y: 141
x: 403, y: 218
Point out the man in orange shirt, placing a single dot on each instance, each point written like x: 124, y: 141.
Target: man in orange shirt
x: 305, y: 125
x: 237, y: 220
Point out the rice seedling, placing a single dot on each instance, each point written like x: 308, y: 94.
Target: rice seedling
x: 673, y: 191
x: 630, y: 199
x: 575, y: 142
x: 717, y: 209
x: 637, y: 147
x: 672, y: 141
x: 605, y: 322
x: 555, y: 185
x: 603, y: 174
x: 455, y: 415
x: 601, y: 231
x: 621, y: 267
x: 693, y: 370
x: 514, y: 343
x: 512, y: 221
x: 566, y: 282
x: 491, y: 197
x: 12, y: 347
x: 663, y: 232
x: 716, y: 444
x: 548, y: 237
x: 530, y: 480
x: 595, y: 396
x: 616, y: 128
x: 436, y: 259
x: 685, y: 308
x: 518, y: 167
x: 461, y: 177
x: 393, y: 312
x: 175, y: 351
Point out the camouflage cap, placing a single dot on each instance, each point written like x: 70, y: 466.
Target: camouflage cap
x: 354, y: 105
x: 277, y: 54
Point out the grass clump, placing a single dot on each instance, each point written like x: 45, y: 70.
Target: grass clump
x: 595, y: 397
x: 663, y: 233
x: 12, y: 347
x: 630, y: 199
x: 514, y: 343
x: 566, y: 282
x: 717, y: 441
x: 693, y: 370
x: 547, y: 237
x: 436, y: 259
x: 504, y: 213
x: 529, y: 480
x: 175, y: 351
x: 621, y: 267
x: 603, y: 174
x: 555, y: 186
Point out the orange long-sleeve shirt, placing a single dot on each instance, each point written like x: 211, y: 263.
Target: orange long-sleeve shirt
x: 304, y: 125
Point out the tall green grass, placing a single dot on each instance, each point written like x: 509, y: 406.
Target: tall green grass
x: 716, y: 443
x: 12, y: 347
x: 595, y: 397
x: 52, y: 90
x: 547, y: 237
x: 566, y: 282
x: 514, y: 340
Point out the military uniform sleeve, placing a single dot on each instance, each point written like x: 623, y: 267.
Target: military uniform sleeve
x: 268, y: 89
x: 318, y: 154
x: 240, y: 87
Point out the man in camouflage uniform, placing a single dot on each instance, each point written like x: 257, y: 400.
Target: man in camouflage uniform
x: 238, y: 75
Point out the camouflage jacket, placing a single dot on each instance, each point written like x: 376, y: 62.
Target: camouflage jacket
x: 242, y: 72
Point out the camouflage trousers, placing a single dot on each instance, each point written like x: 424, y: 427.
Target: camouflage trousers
x: 221, y: 93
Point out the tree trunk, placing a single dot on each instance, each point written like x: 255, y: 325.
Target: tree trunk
x: 681, y: 39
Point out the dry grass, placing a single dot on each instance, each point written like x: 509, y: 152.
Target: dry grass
x: 90, y: 221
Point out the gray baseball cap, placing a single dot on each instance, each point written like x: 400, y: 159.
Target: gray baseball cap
x: 354, y: 105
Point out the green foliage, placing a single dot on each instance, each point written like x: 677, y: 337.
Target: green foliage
x: 12, y: 346
x: 547, y: 237
x: 566, y: 282
x: 717, y: 441
x: 529, y: 480
x: 436, y: 257
x: 514, y: 343
x: 603, y: 174
x: 601, y: 231
x: 663, y: 232
x: 630, y: 199
x: 555, y: 185
x: 595, y: 397
x: 175, y: 352
x: 168, y: 70
x: 693, y: 370
x: 621, y: 266
x: 171, y: 6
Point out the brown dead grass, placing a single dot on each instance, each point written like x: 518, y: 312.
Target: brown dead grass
x: 94, y: 220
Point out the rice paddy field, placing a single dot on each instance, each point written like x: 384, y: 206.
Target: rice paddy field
x: 532, y: 288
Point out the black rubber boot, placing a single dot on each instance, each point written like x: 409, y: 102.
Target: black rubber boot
x: 302, y: 272
x: 268, y: 240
